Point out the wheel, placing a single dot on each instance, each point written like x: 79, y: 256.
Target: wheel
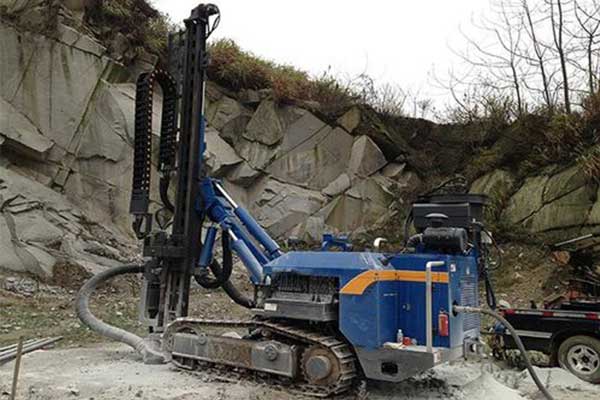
x: 320, y: 366
x: 581, y: 356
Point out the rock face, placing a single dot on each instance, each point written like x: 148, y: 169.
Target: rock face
x: 554, y: 201
x: 66, y: 135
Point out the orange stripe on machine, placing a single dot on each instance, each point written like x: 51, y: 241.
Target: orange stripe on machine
x: 360, y: 283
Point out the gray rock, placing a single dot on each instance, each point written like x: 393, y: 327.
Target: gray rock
x: 570, y: 210
x: 316, y: 162
x: 338, y: 186
x: 563, y: 183
x: 301, y: 131
x: 497, y: 184
x: 594, y: 217
x: 408, y: 182
x: 250, y: 97
x: 77, y: 40
x: 350, y: 120
x: 527, y: 200
x: 265, y: 126
x: 229, y: 117
x: 546, y: 203
x: 220, y: 156
x: 21, y: 135
x: 34, y: 227
x: 77, y: 5
x: 279, y: 207
x: 256, y: 154
x: 366, y: 157
x: 394, y: 170
x: 43, y: 88
x: 9, y: 259
x: 363, y: 205
x: 243, y: 175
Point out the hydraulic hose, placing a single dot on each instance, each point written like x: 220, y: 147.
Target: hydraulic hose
x: 229, y: 288
x: 513, y: 332
x: 221, y: 275
x: 235, y: 295
x: 82, y: 306
x: 163, y: 189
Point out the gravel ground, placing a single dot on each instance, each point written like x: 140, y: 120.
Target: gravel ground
x: 114, y: 372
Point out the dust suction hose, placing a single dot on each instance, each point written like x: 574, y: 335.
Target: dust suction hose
x: 513, y: 332
x: 82, y: 305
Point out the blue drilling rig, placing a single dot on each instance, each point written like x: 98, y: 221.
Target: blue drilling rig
x: 322, y: 319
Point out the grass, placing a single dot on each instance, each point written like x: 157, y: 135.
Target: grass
x: 237, y: 69
x: 145, y: 28
x: 49, y: 315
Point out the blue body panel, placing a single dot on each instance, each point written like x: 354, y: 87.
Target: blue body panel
x: 373, y: 318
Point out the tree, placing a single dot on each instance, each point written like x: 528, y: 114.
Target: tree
x: 557, y: 19
x: 588, y: 21
x: 502, y: 58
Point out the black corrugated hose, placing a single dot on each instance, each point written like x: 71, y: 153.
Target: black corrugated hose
x: 513, y: 332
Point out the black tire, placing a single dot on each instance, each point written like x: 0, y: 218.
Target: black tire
x: 580, y: 355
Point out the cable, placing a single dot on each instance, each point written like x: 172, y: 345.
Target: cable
x: 82, y: 307
x: 513, y: 332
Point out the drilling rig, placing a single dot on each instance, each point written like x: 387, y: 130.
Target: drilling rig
x: 322, y: 319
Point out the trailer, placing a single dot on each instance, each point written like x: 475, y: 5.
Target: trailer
x: 567, y: 328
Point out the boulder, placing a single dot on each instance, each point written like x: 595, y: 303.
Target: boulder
x: 53, y: 88
x: 552, y: 202
x: 265, y: 126
x: 338, y: 185
x: 350, y: 120
x: 108, y: 131
x: 243, y: 175
x: 526, y: 201
x: 250, y: 97
x: 317, y: 161
x: 279, y: 207
x: 300, y: 131
x: 564, y: 183
x: 361, y: 206
x: 220, y: 157
x: 228, y: 117
x: 343, y: 214
x: 35, y: 227
x: 77, y: 5
x: 394, y: 170
x: 497, y: 184
x: 366, y: 158
x: 407, y: 183
x: 9, y: 259
x: 256, y: 154
x: 20, y: 135
x: 570, y: 210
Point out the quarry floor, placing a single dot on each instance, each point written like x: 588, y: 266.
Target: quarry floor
x: 114, y: 372
x: 83, y: 366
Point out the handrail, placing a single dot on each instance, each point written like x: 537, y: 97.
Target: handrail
x: 429, y: 302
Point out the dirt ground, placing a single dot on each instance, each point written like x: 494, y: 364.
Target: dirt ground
x: 114, y: 372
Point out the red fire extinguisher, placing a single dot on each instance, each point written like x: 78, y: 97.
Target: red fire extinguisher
x: 443, y: 324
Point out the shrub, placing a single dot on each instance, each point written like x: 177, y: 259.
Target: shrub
x: 236, y: 69
x: 144, y: 27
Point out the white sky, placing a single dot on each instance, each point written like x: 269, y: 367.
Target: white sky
x: 394, y: 41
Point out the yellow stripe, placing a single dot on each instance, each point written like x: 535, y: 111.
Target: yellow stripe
x: 360, y: 283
